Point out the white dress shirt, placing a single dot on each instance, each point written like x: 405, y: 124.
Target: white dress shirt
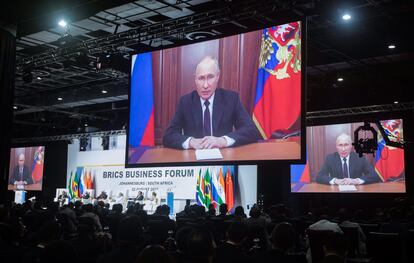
x: 229, y: 141
x: 360, y: 181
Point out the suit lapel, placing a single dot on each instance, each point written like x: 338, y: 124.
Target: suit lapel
x: 352, y: 162
x: 197, y: 113
x: 218, y: 108
x: 338, y: 165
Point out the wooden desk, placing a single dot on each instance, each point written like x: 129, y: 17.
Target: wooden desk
x: 390, y: 187
x: 29, y: 187
x: 271, y: 150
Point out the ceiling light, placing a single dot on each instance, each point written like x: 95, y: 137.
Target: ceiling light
x: 346, y: 16
x: 60, y: 98
x: 62, y: 23
x: 340, y: 79
x: 396, y: 102
x: 38, y: 78
x: 15, y: 107
x: 391, y: 46
x: 86, y: 125
x: 104, y: 91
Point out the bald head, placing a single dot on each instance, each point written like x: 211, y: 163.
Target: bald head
x: 208, y: 61
x: 344, y: 137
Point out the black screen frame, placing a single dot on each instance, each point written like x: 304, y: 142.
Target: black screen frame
x: 372, y: 118
x: 25, y: 145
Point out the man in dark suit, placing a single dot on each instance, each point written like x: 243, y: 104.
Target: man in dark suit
x: 102, y: 196
x: 140, y: 196
x: 209, y: 117
x: 21, y: 172
x: 345, y: 167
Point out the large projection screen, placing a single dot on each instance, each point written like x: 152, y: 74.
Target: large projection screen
x: 380, y: 172
x: 255, y: 83
x: 26, y: 168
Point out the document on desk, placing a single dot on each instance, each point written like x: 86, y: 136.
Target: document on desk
x: 347, y: 188
x: 208, y: 154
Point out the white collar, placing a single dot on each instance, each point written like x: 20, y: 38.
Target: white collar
x: 211, y: 99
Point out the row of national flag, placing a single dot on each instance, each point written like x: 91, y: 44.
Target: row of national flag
x: 79, y: 181
x: 215, y: 186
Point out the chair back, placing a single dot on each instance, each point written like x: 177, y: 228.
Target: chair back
x: 410, y: 245
x: 366, y: 228
x: 352, y: 239
x: 316, y: 241
x: 384, y: 247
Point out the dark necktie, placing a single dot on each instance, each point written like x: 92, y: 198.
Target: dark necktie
x: 345, y: 169
x: 207, y: 125
x: 21, y: 174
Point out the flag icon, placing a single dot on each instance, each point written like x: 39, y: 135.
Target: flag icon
x: 141, y: 124
x: 200, y: 189
x: 300, y: 172
x: 37, y: 166
x: 389, y: 161
x: 277, y: 103
x: 229, y: 190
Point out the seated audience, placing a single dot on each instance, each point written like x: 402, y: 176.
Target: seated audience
x: 89, y: 212
x: 231, y: 250
x: 201, y: 246
x: 154, y: 254
x: 334, y: 248
x: 130, y: 242
x: 239, y: 213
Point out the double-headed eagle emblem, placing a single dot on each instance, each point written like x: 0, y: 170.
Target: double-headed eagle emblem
x: 287, y: 39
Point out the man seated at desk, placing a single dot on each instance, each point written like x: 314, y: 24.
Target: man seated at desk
x: 120, y: 198
x: 63, y: 197
x: 21, y: 173
x: 209, y: 117
x: 139, y: 197
x: 345, y: 167
x: 102, y: 196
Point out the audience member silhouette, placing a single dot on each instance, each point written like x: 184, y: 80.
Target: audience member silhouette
x: 154, y: 254
x: 231, y: 250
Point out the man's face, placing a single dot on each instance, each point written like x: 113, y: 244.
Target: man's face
x: 343, y: 147
x: 206, y: 78
x: 21, y: 161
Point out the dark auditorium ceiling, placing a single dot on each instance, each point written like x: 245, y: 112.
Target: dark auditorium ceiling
x: 52, y: 63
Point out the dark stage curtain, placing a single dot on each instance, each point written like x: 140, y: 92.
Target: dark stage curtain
x: 7, y: 70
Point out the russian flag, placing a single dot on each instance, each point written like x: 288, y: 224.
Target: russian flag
x: 37, y: 166
x: 277, y: 103
x: 389, y: 161
x: 299, y: 173
x: 79, y: 181
x: 141, y: 122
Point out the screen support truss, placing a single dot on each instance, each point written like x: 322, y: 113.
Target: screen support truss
x: 406, y: 106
